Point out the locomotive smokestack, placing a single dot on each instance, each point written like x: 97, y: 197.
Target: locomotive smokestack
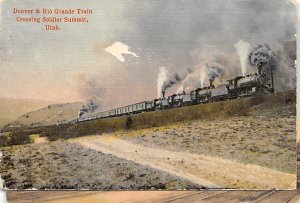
x: 259, y: 68
x: 163, y: 93
x: 211, y: 80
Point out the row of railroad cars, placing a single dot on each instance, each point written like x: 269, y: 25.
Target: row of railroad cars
x: 241, y: 86
x: 126, y: 110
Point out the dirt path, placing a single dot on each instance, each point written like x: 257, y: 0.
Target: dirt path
x: 69, y: 165
x: 204, y: 170
x: 264, y: 141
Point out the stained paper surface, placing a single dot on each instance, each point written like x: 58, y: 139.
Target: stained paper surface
x: 136, y: 95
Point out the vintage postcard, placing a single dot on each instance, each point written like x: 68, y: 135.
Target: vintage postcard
x: 148, y: 95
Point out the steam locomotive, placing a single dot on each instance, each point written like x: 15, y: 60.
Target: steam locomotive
x: 241, y: 86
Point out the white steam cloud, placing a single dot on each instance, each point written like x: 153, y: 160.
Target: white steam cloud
x: 203, y: 74
x: 242, y: 49
x: 118, y: 49
x: 180, y: 89
x: 162, y: 77
x: 190, y: 82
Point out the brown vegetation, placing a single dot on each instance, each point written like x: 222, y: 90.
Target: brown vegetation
x: 237, y: 107
x: 15, y: 138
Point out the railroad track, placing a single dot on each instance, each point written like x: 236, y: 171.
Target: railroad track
x: 272, y: 196
x: 206, y: 196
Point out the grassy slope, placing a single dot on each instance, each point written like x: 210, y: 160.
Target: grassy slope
x: 267, y: 107
x: 237, y: 107
x: 52, y: 114
x: 13, y: 108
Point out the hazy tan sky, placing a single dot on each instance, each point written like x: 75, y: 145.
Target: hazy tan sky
x: 72, y: 64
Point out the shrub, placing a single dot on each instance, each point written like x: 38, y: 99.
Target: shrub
x: 15, y: 138
x: 129, y: 123
x: 223, y: 109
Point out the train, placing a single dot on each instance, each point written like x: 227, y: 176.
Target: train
x: 241, y: 86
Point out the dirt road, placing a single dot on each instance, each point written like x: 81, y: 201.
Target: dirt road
x: 201, y: 169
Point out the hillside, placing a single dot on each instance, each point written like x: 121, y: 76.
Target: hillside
x: 49, y: 115
x: 219, y: 110
x: 12, y: 108
x: 247, y: 143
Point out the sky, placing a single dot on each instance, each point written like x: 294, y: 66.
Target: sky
x: 115, y: 58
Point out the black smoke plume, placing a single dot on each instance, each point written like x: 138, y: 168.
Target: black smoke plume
x: 175, y: 79
x: 215, y: 70
x: 262, y: 55
x: 90, y: 107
